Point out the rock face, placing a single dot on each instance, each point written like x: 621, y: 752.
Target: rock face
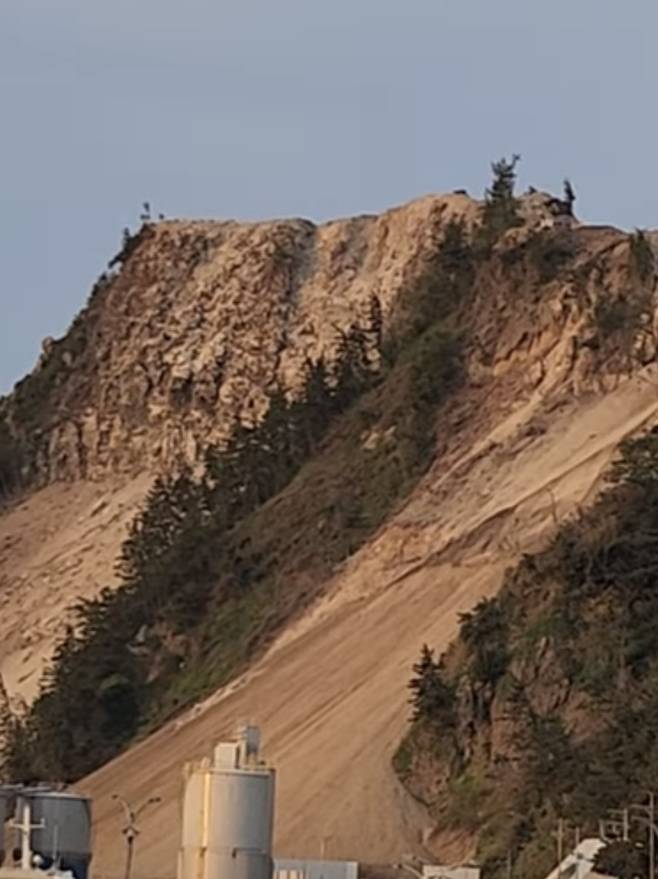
x: 203, y: 319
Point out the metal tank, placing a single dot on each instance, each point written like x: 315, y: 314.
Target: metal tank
x: 6, y: 805
x: 228, y: 814
x: 64, y: 837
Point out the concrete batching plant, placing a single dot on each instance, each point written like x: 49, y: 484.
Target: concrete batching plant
x: 228, y: 813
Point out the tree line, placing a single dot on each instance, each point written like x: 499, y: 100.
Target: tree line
x: 96, y: 692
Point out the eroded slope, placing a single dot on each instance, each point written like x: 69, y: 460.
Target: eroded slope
x: 57, y: 546
x: 331, y: 696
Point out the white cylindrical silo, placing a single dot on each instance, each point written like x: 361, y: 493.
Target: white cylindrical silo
x: 228, y: 816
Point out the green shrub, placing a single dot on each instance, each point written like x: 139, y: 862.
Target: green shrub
x: 467, y: 796
x: 637, y: 463
x: 616, y: 316
x: 484, y: 630
x: 402, y: 760
x: 442, y: 291
x: 432, y: 696
x: 550, y: 252
x: 642, y: 255
x: 13, y: 460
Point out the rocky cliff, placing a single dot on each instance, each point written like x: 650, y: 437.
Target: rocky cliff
x: 196, y: 322
x: 201, y: 321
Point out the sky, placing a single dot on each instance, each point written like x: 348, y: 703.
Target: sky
x: 254, y: 109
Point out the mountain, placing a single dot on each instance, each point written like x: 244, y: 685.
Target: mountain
x: 192, y: 327
x: 357, y: 429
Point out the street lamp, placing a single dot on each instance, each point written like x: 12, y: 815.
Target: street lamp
x: 131, y: 831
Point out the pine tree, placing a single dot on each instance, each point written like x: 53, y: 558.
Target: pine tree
x: 15, y: 751
x: 317, y: 397
x: 485, y: 631
x: 168, y: 505
x: 455, y: 251
x: 376, y: 323
x: 353, y: 371
x: 11, y: 462
x: 270, y: 453
x: 643, y: 260
x: 432, y: 698
x: 500, y: 205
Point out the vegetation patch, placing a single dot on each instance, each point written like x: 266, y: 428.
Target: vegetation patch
x: 501, y: 207
x: 643, y: 260
x: 13, y: 460
x: 551, y: 691
x: 550, y: 252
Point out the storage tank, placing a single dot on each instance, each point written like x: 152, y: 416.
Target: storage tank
x: 6, y: 800
x: 65, y: 837
x: 228, y: 814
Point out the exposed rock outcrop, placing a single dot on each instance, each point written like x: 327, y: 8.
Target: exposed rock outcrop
x: 203, y: 319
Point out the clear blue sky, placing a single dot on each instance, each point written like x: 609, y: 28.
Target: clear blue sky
x: 317, y: 108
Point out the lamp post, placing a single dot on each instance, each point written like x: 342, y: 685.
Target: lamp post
x: 649, y: 818
x: 131, y: 831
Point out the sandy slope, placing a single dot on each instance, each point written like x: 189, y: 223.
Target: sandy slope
x: 57, y: 546
x: 330, y: 696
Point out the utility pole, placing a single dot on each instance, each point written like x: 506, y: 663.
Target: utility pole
x: 650, y: 812
x: 649, y: 817
x: 131, y: 831
x: 563, y: 828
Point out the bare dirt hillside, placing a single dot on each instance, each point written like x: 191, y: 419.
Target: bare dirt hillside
x: 330, y: 695
x: 57, y: 546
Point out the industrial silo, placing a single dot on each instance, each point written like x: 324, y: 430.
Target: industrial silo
x: 228, y: 814
x: 61, y: 829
